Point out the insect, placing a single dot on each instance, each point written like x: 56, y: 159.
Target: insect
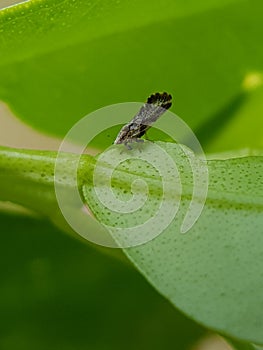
x: 155, y: 106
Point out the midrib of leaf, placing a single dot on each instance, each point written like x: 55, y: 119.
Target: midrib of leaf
x: 244, y: 198
x: 37, y: 167
x: 27, y: 177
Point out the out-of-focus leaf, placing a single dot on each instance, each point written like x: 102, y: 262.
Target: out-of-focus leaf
x: 58, y: 293
x: 63, y: 59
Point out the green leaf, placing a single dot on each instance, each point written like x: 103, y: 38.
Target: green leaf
x: 63, y: 59
x: 213, y: 273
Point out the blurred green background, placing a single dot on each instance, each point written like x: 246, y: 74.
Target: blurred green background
x: 57, y: 292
